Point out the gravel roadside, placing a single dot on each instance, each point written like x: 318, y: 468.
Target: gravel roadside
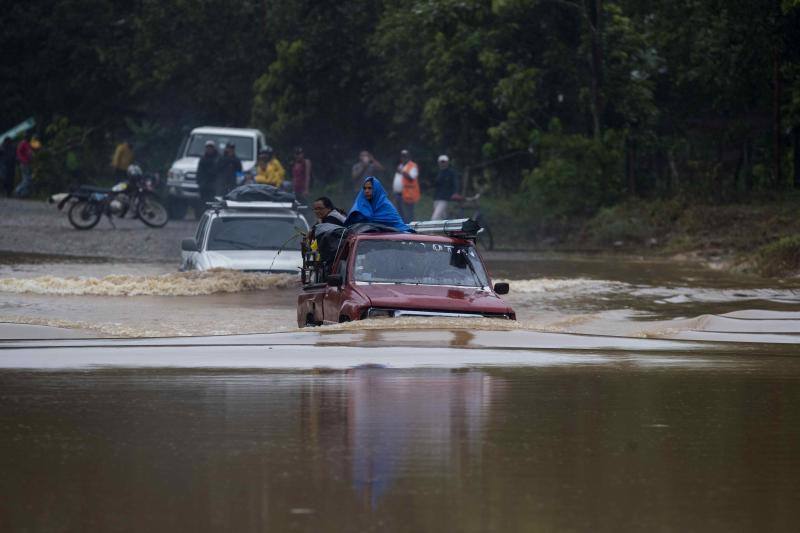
x: 35, y: 227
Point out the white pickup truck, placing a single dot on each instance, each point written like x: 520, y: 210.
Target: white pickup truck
x: 182, y: 176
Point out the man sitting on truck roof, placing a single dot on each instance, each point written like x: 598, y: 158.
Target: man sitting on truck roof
x: 372, y: 205
x: 326, y: 212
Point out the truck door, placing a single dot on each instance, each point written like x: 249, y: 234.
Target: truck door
x: 334, y: 296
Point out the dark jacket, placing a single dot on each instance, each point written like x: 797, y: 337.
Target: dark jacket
x: 227, y: 167
x: 207, y: 170
x: 334, y: 217
x: 446, y: 184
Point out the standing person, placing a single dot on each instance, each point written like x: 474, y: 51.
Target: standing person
x: 228, y: 167
x: 24, y: 159
x: 326, y: 212
x: 8, y: 165
x: 121, y: 160
x: 268, y: 169
x: 366, y: 165
x: 445, y: 187
x: 406, y: 186
x: 207, y: 173
x: 301, y: 175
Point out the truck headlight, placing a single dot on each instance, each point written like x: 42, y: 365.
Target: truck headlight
x: 176, y: 174
x: 380, y: 313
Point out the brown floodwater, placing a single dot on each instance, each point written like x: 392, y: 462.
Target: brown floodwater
x: 609, y: 295
x: 299, y: 433
x: 629, y: 396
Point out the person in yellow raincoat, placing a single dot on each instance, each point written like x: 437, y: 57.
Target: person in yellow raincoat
x: 268, y: 169
x: 121, y: 160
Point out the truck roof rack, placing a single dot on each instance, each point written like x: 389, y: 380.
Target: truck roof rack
x: 462, y: 228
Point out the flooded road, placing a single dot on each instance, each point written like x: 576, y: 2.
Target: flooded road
x: 572, y: 294
x: 574, y: 441
x: 630, y: 395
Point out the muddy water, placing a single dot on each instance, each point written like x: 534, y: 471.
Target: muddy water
x: 629, y: 396
x: 565, y: 445
x: 572, y: 294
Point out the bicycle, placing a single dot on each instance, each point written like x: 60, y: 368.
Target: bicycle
x: 485, y: 239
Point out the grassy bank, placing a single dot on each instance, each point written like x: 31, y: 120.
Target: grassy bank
x: 761, y: 237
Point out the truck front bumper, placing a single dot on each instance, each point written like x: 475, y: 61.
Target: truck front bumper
x: 377, y: 312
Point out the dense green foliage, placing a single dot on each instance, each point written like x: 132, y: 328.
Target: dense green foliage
x: 571, y: 105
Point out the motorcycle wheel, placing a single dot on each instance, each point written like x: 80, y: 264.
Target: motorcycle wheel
x: 151, y: 211
x: 84, y: 215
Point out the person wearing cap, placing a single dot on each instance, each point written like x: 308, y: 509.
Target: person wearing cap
x: 268, y: 169
x: 445, y: 186
x: 406, y: 186
x: 207, y: 172
x: 228, y: 167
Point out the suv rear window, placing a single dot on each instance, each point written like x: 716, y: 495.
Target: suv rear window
x: 197, y: 145
x: 252, y: 233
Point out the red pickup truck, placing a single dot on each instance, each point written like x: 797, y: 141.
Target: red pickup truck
x: 402, y: 274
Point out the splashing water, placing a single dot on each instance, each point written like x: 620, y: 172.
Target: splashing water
x: 173, y: 284
x: 553, y: 285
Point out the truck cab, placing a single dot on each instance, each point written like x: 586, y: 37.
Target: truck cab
x: 384, y: 275
x: 182, y: 186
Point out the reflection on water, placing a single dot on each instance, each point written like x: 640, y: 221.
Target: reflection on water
x: 389, y: 415
x: 536, y: 449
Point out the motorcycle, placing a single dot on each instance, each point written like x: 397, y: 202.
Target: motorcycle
x: 136, y: 195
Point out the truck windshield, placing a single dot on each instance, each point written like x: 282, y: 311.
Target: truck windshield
x: 197, y: 145
x: 252, y: 233
x: 420, y: 263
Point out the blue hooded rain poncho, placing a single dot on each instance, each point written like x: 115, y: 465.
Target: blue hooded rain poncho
x: 379, y: 210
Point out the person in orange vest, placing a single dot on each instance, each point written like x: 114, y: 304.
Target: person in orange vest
x: 406, y: 186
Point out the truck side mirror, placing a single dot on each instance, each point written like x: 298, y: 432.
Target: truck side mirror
x: 501, y: 288
x: 334, y: 280
x: 189, y: 245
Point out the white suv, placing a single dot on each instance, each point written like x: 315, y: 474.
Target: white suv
x: 253, y: 237
x: 182, y: 176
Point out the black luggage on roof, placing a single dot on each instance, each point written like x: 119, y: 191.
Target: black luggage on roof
x: 259, y: 192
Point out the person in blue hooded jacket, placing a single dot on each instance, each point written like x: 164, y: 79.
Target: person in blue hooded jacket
x: 372, y: 205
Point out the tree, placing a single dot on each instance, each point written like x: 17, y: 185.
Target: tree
x: 313, y: 91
